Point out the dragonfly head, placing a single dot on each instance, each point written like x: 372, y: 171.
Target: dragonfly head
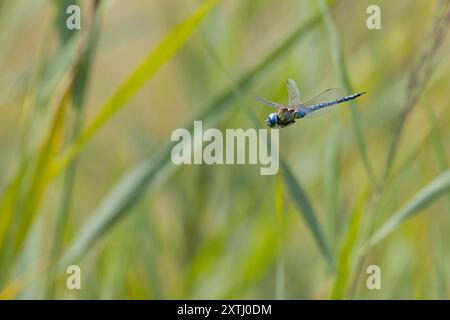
x: 272, y: 120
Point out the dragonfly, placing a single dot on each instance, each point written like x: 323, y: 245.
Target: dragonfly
x: 295, y: 109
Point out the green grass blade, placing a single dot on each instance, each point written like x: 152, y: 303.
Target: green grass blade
x: 55, y: 75
x: 30, y: 258
x: 40, y: 176
x: 21, y: 215
x: 117, y: 202
x: 346, y: 252
x: 280, y: 282
x: 60, y: 66
x: 128, y: 191
x: 424, y: 197
x: 344, y: 77
x: 165, y: 50
x: 436, y: 139
x: 331, y: 184
x: 8, y: 203
x: 304, y: 206
x: 78, y: 90
x: 64, y: 34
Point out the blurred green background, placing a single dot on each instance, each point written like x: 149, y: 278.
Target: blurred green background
x: 86, y: 176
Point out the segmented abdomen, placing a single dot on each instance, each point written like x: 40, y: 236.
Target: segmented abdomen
x: 336, y: 101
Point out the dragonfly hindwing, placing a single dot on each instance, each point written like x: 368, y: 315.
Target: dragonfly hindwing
x: 268, y: 102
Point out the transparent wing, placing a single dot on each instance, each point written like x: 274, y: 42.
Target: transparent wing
x: 326, y: 95
x: 320, y: 112
x: 293, y: 93
x: 268, y: 102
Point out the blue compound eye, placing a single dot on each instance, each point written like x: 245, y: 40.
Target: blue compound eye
x: 272, y: 120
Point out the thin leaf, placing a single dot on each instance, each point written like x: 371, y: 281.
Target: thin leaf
x: 79, y: 89
x: 436, y: 139
x: 304, y: 206
x: 25, y: 211
x: 423, y: 198
x: 56, y: 74
x: 344, y: 261
x: 331, y: 184
x: 280, y: 222
x: 40, y: 175
x: 64, y: 33
x: 118, y: 201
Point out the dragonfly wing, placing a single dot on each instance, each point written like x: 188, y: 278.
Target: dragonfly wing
x: 326, y: 95
x: 268, y: 102
x: 293, y: 93
x: 318, y: 113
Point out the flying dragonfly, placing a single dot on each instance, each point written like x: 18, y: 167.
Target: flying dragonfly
x: 295, y: 109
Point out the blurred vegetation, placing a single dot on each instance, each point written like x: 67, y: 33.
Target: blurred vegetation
x: 86, y: 176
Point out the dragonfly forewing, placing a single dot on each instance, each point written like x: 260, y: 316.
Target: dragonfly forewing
x: 293, y: 93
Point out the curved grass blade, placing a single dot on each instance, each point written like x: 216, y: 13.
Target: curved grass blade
x: 331, y: 184
x: 166, y: 49
x: 304, y: 206
x: 129, y: 190
x: 118, y: 201
x: 280, y: 277
x: 423, y: 198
